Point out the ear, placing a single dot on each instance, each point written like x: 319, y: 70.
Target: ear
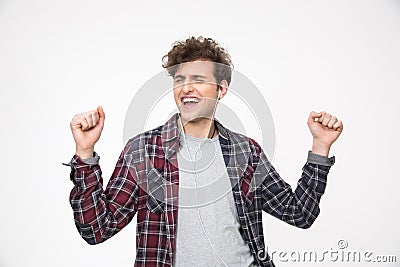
x: 223, y: 88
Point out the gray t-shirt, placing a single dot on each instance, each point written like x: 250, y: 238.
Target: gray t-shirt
x: 208, y: 226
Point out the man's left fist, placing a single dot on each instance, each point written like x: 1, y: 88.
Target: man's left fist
x: 325, y: 129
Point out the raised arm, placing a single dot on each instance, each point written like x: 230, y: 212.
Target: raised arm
x: 301, y: 206
x: 100, y: 214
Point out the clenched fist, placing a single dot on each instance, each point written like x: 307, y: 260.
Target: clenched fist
x: 86, y: 129
x: 325, y: 129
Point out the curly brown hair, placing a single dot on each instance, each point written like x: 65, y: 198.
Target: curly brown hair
x: 199, y: 49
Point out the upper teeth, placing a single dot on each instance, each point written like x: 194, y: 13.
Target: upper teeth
x: 190, y: 99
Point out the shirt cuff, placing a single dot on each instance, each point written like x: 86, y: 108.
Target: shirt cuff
x: 88, y: 161
x: 320, y: 160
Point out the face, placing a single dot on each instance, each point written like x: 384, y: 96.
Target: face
x: 195, y: 90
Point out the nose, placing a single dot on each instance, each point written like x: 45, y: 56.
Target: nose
x: 187, y: 87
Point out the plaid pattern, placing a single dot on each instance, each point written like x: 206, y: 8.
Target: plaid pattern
x: 145, y: 181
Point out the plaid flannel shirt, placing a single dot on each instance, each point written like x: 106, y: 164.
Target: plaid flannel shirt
x: 146, y: 181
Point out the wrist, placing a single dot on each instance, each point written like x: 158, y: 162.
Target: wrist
x: 320, y: 149
x: 84, y: 153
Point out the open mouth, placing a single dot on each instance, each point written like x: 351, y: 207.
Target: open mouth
x: 190, y: 101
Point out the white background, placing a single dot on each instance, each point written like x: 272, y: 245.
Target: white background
x: 58, y: 58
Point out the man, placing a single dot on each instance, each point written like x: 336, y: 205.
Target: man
x: 175, y: 176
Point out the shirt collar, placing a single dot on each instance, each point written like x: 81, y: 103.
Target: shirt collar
x: 170, y: 134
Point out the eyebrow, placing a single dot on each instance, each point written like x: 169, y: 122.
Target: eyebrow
x: 199, y: 76
x: 178, y: 76
x: 193, y: 76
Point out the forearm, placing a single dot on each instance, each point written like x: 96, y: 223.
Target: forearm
x: 86, y: 200
x: 301, y: 206
x: 307, y: 195
x: 99, y: 214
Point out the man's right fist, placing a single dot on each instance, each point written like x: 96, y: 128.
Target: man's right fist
x: 86, y: 129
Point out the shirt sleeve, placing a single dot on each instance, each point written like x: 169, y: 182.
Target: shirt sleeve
x: 301, y: 206
x: 99, y: 214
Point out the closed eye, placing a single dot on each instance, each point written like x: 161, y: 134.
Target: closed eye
x: 199, y: 78
x: 179, y: 79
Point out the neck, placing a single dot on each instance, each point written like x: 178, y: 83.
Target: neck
x: 202, y: 128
